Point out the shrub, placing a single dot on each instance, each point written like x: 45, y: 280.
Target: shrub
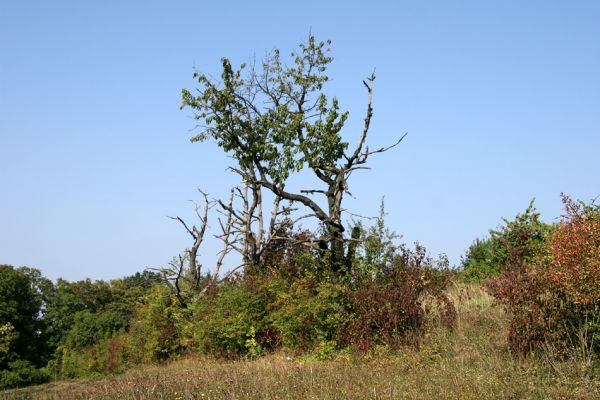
x: 89, y: 346
x: 155, y: 329
x: 387, y: 309
x: 106, y: 356
x: 231, y: 322
x: 22, y: 373
x: 537, y: 310
x: 309, y: 312
x: 480, y: 263
x: 575, y: 248
x: 575, y: 267
x: 549, y: 280
x: 89, y: 328
x: 523, y: 240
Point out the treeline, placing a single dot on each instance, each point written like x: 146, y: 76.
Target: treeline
x: 42, y: 322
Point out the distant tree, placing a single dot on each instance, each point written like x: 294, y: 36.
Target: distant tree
x: 129, y: 292
x: 68, y: 298
x: 480, y: 260
x: 274, y: 119
x: 89, y: 328
x: 21, y: 324
x: 144, y: 280
x: 524, y: 238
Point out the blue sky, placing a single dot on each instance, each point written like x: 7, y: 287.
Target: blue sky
x: 501, y: 101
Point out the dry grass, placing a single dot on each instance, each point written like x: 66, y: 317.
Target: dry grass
x: 471, y: 363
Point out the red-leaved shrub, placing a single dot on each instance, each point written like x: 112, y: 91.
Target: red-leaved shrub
x: 387, y: 309
x: 553, y: 294
x: 575, y: 248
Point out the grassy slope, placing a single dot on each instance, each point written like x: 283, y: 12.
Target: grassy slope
x: 472, y: 363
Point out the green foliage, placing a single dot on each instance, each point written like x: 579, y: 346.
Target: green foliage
x: 20, y: 317
x: 23, y: 343
x: 7, y: 338
x: 69, y: 298
x: 89, y: 328
x: 119, y: 298
x: 21, y: 373
x: 308, y: 312
x: 480, y: 261
x: 524, y: 238
x: 375, y: 249
x: 272, y: 113
x: 232, y: 321
x: 105, y: 356
x: 155, y: 328
x: 325, y: 350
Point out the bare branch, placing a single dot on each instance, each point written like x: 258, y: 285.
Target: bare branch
x: 225, y: 237
x: 192, y: 234
x: 384, y: 149
x: 363, y: 136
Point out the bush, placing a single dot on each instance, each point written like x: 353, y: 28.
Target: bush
x: 89, y: 328
x: 231, y: 322
x: 308, y: 313
x: 575, y: 267
x: 22, y: 373
x: 549, y: 280
x: 388, y: 309
x: 522, y: 239
x: 480, y: 261
x: 575, y: 248
x: 537, y: 310
x: 155, y: 330
x: 106, y: 356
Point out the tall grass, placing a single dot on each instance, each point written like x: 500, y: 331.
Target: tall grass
x: 470, y: 363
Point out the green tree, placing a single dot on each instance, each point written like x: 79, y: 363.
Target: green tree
x: 522, y: 239
x: 23, y: 345
x: 69, y: 298
x: 90, y: 328
x: 274, y: 119
x: 480, y: 260
x: 20, y: 316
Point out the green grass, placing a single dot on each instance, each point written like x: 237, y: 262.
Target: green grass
x: 470, y: 363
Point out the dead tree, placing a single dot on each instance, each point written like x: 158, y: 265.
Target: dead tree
x: 255, y: 228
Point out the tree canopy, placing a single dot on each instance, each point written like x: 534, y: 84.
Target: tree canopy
x: 275, y: 119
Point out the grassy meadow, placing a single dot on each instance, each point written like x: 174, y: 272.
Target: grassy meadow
x: 471, y: 363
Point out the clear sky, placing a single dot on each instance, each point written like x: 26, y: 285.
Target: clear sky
x: 501, y: 100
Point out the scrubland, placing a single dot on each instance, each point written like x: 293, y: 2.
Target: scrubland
x: 470, y: 363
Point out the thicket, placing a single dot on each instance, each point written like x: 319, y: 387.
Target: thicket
x: 297, y: 304
x: 548, y: 279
